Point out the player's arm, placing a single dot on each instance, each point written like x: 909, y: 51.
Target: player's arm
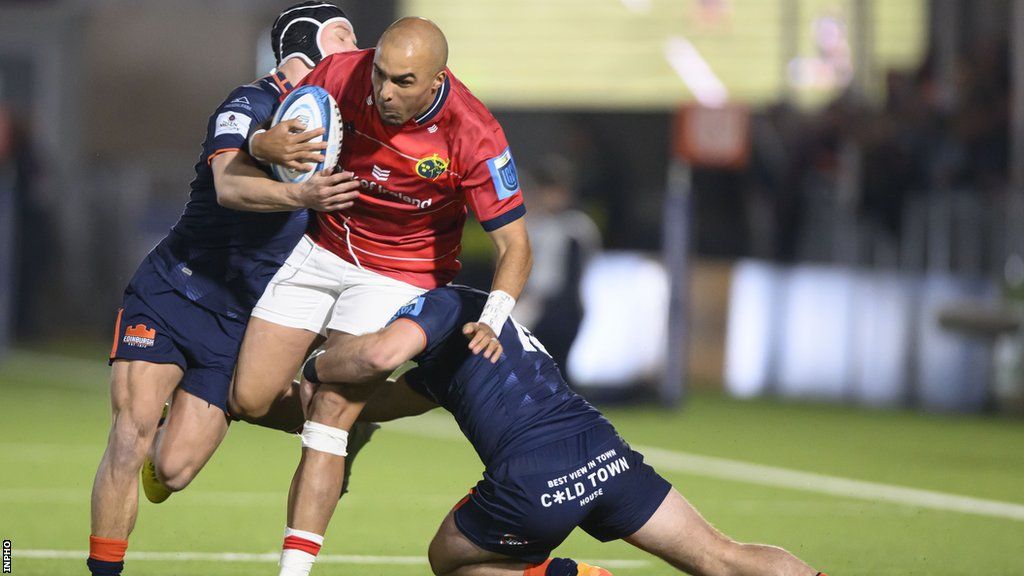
x: 242, y: 185
x: 491, y: 185
x: 288, y: 144
x: 370, y: 357
x: 515, y: 259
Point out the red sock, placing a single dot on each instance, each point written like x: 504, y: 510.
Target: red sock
x: 106, y: 556
x: 308, y: 546
x: 299, y: 552
x: 107, y: 549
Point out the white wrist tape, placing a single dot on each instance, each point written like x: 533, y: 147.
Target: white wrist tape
x: 496, y: 311
x: 323, y: 438
x: 249, y: 145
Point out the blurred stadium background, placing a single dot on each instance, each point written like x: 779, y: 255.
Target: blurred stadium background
x: 781, y: 240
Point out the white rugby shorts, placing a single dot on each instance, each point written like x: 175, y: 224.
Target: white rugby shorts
x: 316, y: 290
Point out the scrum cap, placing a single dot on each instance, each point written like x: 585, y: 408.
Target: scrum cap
x: 296, y: 32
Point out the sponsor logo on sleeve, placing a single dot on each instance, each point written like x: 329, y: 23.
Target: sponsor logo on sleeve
x: 139, y: 336
x: 232, y: 123
x: 432, y: 167
x: 413, y: 308
x: 504, y: 175
x: 241, y: 102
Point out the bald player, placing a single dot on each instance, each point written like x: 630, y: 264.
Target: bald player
x: 424, y: 151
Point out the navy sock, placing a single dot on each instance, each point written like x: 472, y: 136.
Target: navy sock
x: 101, y: 568
x: 561, y: 567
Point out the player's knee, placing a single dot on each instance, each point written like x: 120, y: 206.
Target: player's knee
x: 175, y: 474
x: 245, y: 405
x: 439, y: 569
x: 440, y: 565
x: 130, y: 438
x: 445, y: 554
x: 331, y: 402
x: 236, y: 407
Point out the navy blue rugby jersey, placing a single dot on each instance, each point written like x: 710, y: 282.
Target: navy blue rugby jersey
x: 507, y: 408
x: 222, y: 259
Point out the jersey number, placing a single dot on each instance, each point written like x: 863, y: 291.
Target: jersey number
x: 528, y: 340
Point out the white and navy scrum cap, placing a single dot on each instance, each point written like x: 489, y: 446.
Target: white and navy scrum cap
x: 296, y: 32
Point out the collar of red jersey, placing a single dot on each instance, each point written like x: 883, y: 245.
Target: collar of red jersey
x: 437, y: 105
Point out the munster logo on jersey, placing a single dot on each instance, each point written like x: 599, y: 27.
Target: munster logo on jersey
x: 432, y: 167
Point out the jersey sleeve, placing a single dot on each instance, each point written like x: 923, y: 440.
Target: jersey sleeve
x: 437, y: 313
x: 491, y: 184
x: 244, y: 110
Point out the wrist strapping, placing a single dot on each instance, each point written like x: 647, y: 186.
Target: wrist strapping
x: 249, y: 145
x: 497, y: 309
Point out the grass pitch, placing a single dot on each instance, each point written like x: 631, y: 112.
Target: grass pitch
x: 54, y: 415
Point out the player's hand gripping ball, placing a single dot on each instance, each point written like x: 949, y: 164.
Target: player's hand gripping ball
x: 316, y: 108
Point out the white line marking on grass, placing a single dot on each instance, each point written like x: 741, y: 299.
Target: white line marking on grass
x: 443, y: 427
x: 270, y: 557
x: 724, y: 469
x: 436, y: 425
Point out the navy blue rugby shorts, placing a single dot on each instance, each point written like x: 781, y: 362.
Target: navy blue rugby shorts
x: 158, y: 324
x: 527, y: 505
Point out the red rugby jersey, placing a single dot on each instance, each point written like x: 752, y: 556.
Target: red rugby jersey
x: 416, y: 179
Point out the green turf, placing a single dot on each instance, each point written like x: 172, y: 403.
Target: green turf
x: 54, y: 415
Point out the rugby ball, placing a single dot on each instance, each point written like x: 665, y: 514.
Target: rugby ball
x: 317, y: 109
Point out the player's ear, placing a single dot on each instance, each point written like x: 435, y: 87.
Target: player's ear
x: 438, y: 80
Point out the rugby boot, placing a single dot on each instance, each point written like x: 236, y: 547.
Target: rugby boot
x: 155, y: 491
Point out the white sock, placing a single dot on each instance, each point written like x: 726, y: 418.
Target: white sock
x: 299, y: 552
